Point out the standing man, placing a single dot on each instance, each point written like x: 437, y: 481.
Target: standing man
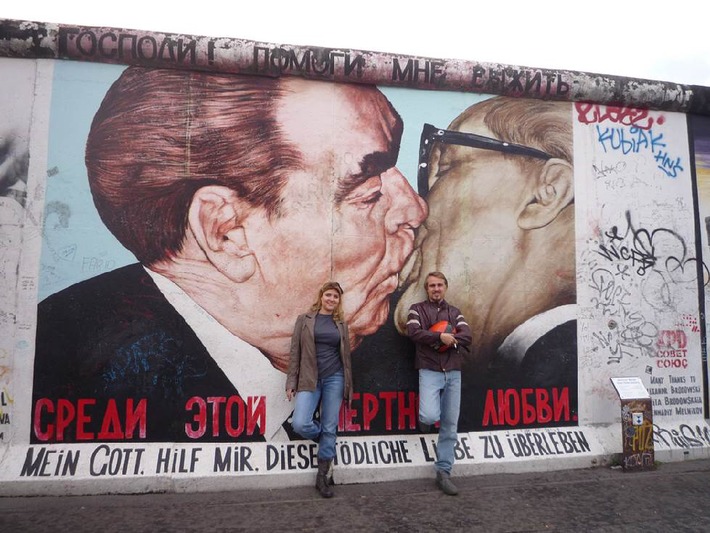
x: 439, y: 359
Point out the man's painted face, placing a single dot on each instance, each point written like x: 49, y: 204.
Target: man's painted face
x: 348, y: 213
x: 471, y: 233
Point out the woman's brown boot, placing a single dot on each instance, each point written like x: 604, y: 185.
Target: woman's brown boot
x: 322, y: 478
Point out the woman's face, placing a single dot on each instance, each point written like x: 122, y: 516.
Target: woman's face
x: 329, y: 301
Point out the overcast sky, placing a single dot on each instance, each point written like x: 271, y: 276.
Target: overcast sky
x: 667, y: 41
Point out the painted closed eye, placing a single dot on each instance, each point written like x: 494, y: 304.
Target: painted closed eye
x: 373, y: 198
x: 367, y: 194
x: 441, y: 172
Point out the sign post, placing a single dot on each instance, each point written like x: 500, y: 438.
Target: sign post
x: 636, y: 424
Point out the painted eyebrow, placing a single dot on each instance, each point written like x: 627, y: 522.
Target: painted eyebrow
x: 371, y: 165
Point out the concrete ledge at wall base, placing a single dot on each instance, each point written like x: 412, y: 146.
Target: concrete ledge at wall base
x: 134, y: 468
x: 133, y: 485
x: 682, y: 454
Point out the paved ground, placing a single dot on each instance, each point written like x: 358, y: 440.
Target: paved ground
x: 674, y: 497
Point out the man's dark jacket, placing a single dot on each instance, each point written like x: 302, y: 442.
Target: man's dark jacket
x: 421, y: 317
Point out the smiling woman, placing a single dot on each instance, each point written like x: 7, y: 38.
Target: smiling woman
x: 320, y: 374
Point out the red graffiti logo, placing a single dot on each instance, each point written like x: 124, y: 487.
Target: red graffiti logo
x: 626, y: 116
x: 672, y: 339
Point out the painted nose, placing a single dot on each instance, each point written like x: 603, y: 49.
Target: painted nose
x: 407, y: 209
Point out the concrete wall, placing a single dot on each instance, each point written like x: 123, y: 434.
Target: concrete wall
x: 575, y: 264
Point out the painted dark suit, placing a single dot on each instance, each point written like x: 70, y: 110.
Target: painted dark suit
x: 384, y: 362
x: 547, y: 361
x: 115, y: 337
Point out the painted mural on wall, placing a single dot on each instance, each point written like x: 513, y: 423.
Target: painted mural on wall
x: 238, y: 196
x: 501, y: 214
x: 173, y: 224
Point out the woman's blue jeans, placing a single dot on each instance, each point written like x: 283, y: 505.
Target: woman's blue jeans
x: 440, y: 401
x: 329, y: 392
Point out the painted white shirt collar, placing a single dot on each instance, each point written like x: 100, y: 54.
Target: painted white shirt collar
x: 516, y: 344
x: 245, y: 366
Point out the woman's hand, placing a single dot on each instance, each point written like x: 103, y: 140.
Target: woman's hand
x: 290, y: 393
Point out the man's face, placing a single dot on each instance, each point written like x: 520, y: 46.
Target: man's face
x: 435, y: 289
x: 348, y: 214
x: 471, y: 232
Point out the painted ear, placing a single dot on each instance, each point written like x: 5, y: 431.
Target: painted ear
x: 216, y: 219
x: 554, y: 190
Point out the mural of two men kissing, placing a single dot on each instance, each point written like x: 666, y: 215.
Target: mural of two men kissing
x: 238, y: 196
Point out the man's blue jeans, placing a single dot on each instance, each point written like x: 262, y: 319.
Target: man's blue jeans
x: 440, y: 401
x: 329, y: 392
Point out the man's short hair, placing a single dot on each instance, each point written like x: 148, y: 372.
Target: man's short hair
x: 160, y: 135
x: 546, y: 126
x: 436, y: 274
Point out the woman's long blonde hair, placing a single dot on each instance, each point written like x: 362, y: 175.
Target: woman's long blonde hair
x: 338, y: 312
